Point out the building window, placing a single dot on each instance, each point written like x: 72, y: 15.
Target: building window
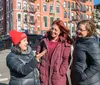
x: 76, y: 16
x: 85, y: 16
x: 69, y: 15
x: 38, y: 7
x: 81, y: 16
x: 90, y: 17
x: 19, y: 5
x: 51, y: 20
x: 81, y: 7
x: 87, y: 8
x: 43, y: 32
x: 90, y: 9
x: 58, y: 18
x: 45, y: 21
x: 84, y: 9
x: 25, y: 18
x: 25, y: 6
x: 44, y: 7
x: 57, y: 9
x: 72, y: 5
x: 68, y: 25
x: 65, y: 5
x: 76, y: 6
x: 72, y: 16
x: 31, y: 19
x: 38, y: 28
x: 73, y: 29
x: 19, y: 17
x: 69, y: 5
x: 19, y: 29
x: 65, y: 23
x: 26, y: 28
x: 38, y: 17
x: 65, y: 14
x: 31, y: 30
x: 51, y: 8
x: 31, y: 7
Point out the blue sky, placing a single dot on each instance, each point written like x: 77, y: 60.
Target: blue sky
x: 96, y: 1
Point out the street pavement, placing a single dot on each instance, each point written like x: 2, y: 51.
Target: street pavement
x: 4, y: 71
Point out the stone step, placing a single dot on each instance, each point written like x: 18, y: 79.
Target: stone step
x: 3, y: 79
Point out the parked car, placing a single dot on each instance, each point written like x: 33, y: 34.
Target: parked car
x: 34, y: 41
x: 7, y: 41
x: 2, y: 45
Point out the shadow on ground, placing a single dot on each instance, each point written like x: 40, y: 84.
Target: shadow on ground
x: 2, y: 84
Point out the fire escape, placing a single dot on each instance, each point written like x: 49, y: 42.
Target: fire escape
x: 79, y: 9
x: 29, y: 9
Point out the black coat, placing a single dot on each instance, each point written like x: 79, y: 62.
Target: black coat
x: 85, y: 69
x: 23, y: 68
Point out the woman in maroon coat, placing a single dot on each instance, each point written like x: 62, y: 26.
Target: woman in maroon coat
x: 54, y: 63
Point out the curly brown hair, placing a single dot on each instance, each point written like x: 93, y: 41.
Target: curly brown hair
x: 90, y: 27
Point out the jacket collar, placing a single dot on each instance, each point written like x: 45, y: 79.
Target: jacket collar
x: 86, y: 39
x: 28, y: 51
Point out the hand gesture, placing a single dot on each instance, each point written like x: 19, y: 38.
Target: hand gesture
x: 39, y: 55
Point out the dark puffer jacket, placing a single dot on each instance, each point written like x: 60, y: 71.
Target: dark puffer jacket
x: 85, y: 69
x: 23, y: 68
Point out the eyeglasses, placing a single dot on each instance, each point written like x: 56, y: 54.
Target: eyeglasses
x: 81, y: 29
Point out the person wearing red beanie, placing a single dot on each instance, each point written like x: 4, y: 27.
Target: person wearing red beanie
x: 21, y: 62
x: 16, y: 36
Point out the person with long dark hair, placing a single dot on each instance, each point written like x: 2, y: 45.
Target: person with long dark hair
x: 54, y: 63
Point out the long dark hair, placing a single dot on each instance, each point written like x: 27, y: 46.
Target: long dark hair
x: 16, y: 49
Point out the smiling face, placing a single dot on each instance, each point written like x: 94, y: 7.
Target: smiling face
x: 82, y: 31
x: 55, y: 31
x: 23, y: 44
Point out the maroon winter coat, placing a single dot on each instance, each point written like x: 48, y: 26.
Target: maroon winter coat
x: 54, y: 73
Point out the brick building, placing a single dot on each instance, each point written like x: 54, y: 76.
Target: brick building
x: 36, y: 16
x: 2, y: 17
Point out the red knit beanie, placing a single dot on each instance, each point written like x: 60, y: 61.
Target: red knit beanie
x: 16, y: 36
